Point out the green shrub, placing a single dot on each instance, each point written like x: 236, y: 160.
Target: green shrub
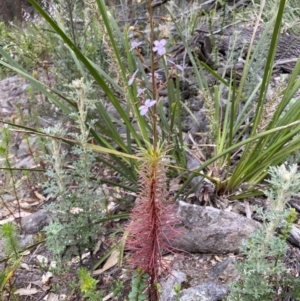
x: 78, y: 208
x: 88, y: 286
x: 9, y: 235
x: 263, y: 274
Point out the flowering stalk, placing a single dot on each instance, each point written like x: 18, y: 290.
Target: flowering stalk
x: 152, y: 220
x: 154, y: 87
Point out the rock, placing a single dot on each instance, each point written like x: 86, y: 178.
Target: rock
x: 7, y: 198
x: 35, y: 222
x: 224, y: 271
x: 175, y: 277
x: 210, y: 230
x: 207, y: 291
x: 294, y: 237
x: 196, y: 123
x: 204, y: 189
x: 26, y: 240
x: 12, y: 92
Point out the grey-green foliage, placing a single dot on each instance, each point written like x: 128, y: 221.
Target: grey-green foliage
x: 76, y: 208
x: 263, y: 275
x: 117, y: 288
x: 78, y: 193
x: 291, y: 13
x: 79, y: 22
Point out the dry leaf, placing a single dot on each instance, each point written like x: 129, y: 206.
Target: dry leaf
x: 38, y: 283
x: 43, y: 261
x: 175, y: 184
x: 229, y: 208
x: 46, y: 277
x: 109, y: 296
x: 25, y: 266
x: 12, y: 218
x: 29, y: 201
x: 77, y: 259
x: 52, y: 297
x: 39, y: 196
x: 218, y: 258
x: 7, y: 220
x: 22, y: 214
x: 53, y: 264
x: 111, y: 261
x: 97, y: 247
x: 28, y: 206
x: 27, y: 252
x: 26, y: 203
x: 26, y: 291
x: 247, y: 209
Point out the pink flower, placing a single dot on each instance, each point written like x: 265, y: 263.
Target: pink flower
x: 159, y: 46
x: 135, y: 44
x: 141, y: 91
x: 156, y: 75
x: 145, y: 107
x: 132, y: 78
x: 179, y: 67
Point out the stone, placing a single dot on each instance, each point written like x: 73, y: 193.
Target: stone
x: 210, y: 230
x: 224, y: 271
x: 206, y: 291
x: 35, y: 222
x: 167, y: 286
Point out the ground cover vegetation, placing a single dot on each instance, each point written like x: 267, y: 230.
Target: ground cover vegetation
x: 104, y: 80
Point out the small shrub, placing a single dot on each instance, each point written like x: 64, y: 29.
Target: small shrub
x: 78, y: 208
x: 88, y: 286
x: 263, y: 274
x: 9, y: 234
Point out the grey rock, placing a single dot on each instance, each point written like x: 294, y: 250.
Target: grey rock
x: 224, y: 271
x: 27, y: 162
x: 197, y: 102
x: 35, y: 222
x: 26, y: 240
x: 17, y: 91
x: 8, y: 197
x: 235, y: 40
x: 175, y: 277
x: 11, y: 92
x: 196, y: 123
x: 210, y: 230
x: 201, y: 122
x: 23, y: 147
x: 294, y: 237
x: 204, y: 189
x: 186, y: 123
x: 207, y: 291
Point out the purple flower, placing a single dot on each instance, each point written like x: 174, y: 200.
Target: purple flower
x: 140, y: 91
x: 179, y: 67
x: 132, y: 78
x: 145, y: 107
x: 156, y: 75
x: 135, y: 44
x: 159, y: 46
